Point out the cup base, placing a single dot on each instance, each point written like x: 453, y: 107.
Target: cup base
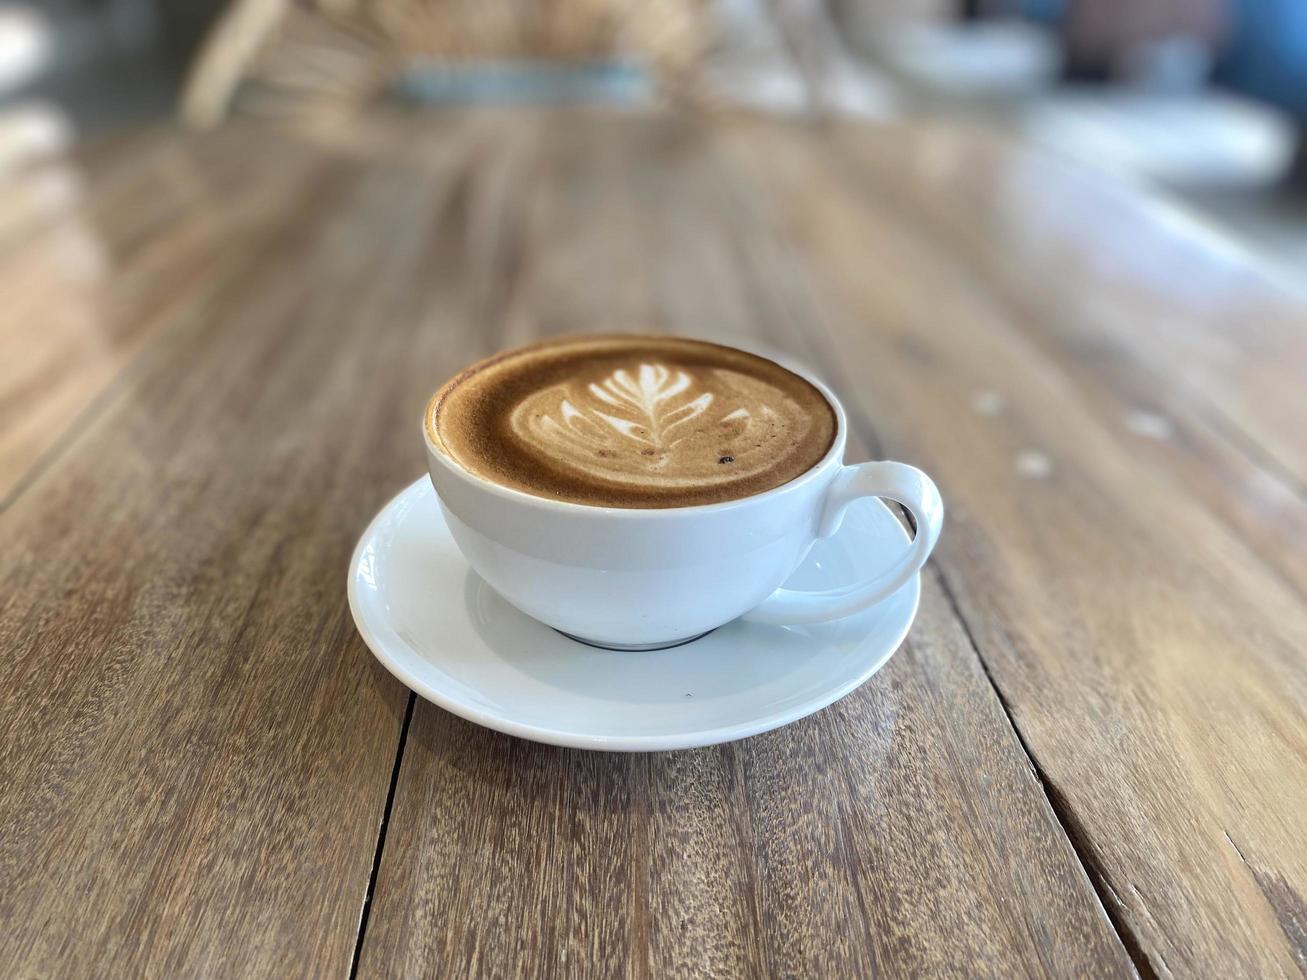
x: 634, y: 647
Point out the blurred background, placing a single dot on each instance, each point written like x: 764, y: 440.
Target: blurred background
x: 1206, y: 100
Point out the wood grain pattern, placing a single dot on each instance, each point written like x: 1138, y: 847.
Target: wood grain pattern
x: 130, y: 241
x: 901, y: 831
x: 898, y: 832
x: 1090, y: 758
x: 1150, y: 658
x: 196, y: 746
x: 1105, y: 338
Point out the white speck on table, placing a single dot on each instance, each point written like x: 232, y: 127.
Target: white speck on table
x: 1149, y: 424
x: 1033, y: 464
x: 988, y: 402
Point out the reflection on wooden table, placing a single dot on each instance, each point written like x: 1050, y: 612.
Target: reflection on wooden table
x: 1090, y: 756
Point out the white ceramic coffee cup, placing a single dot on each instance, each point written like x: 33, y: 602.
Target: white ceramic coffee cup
x: 632, y: 578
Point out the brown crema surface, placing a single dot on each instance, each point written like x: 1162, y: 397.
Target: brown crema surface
x: 632, y: 421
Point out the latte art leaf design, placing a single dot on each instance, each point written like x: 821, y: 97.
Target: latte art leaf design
x: 654, y: 424
x: 647, y: 398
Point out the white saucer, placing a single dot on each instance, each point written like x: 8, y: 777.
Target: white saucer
x: 448, y: 636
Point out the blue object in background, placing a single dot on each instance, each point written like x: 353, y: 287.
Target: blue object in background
x: 1049, y: 12
x: 1266, y: 56
x: 531, y: 82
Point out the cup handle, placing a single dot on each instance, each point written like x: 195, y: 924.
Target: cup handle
x: 899, y: 482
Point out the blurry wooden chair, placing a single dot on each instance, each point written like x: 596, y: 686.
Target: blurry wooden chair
x: 321, y: 60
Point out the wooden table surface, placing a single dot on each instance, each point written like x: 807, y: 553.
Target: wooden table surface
x: 1089, y: 758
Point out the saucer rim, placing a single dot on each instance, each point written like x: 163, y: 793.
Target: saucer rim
x: 560, y: 737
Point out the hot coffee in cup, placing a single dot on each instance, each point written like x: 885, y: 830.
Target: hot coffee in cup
x: 628, y: 421
x: 638, y: 491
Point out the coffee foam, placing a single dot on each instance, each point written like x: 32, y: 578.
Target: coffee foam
x: 630, y: 421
